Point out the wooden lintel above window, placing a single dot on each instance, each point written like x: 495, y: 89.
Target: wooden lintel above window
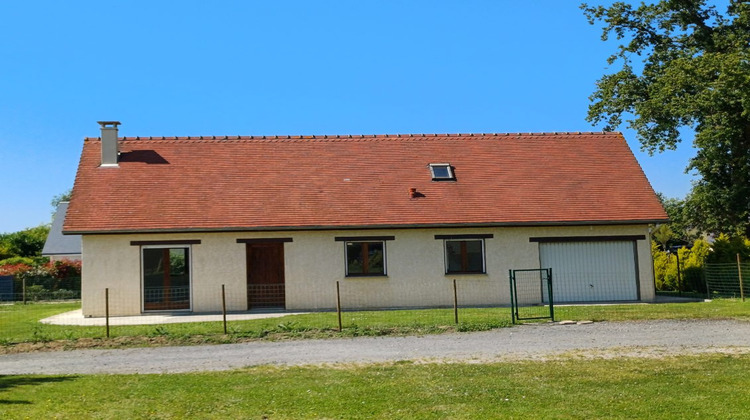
x: 263, y: 240
x: 363, y: 238
x: 167, y: 242
x: 467, y: 236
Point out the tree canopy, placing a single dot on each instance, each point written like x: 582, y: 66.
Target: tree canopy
x: 685, y: 63
x: 25, y: 243
x: 56, y: 200
x: 681, y: 225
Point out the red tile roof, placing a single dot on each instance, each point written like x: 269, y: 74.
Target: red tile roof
x: 316, y: 182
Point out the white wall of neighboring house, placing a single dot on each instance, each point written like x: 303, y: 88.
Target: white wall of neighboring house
x: 315, y: 261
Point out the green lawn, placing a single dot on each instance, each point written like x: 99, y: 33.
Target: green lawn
x: 706, y: 386
x: 715, y: 309
x: 19, y: 324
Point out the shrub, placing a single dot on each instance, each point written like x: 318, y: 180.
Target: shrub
x: 15, y: 270
x: 65, y: 268
x: 49, y: 276
x: 36, y: 292
x: 725, y: 249
x: 64, y: 294
x: 16, y: 261
x: 692, y: 262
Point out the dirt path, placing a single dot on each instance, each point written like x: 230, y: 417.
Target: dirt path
x: 528, y: 342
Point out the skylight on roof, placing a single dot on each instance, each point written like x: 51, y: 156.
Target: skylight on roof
x: 442, y: 172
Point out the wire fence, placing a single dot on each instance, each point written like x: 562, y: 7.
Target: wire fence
x: 173, y: 312
x: 41, y: 288
x: 218, y: 313
x: 727, y: 280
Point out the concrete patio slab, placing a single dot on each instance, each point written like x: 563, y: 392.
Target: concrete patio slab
x: 76, y: 318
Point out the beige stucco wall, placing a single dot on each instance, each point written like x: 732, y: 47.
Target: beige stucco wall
x: 314, y: 262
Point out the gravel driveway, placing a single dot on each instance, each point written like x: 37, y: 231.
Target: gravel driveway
x: 526, y: 342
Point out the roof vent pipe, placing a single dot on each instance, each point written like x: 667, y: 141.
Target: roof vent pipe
x: 110, y: 148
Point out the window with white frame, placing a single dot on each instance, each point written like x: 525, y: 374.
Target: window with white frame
x: 442, y: 172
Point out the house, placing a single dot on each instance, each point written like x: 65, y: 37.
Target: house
x: 278, y: 220
x: 60, y: 247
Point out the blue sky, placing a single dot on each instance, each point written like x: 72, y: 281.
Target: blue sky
x: 287, y: 67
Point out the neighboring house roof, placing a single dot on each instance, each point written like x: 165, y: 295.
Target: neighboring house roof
x: 322, y: 182
x: 57, y: 243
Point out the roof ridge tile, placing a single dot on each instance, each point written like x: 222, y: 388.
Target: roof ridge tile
x: 395, y: 136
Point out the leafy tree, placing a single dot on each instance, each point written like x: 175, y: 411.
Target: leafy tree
x: 56, y: 200
x: 695, y: 72
x: 725, y: 249
x: 681, y: 222
x: 5, y: 251
x: 14, y: 261
x: 28, y: 243
x: 663, y: 235
x: 25, y: 243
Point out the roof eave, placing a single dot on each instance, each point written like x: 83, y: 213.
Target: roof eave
x: 367, y: 227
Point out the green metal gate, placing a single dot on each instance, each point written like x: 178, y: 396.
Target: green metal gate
x: 529, y: 289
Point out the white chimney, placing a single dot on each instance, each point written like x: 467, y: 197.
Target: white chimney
x: 110, y: 148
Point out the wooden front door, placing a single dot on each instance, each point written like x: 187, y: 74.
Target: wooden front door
x: 265, y: 275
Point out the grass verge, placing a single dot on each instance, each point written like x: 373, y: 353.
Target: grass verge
x: 705, y: 386
x: 21, y: 330
x: 24, y: 332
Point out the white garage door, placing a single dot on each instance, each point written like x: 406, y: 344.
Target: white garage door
x: 591, y: 271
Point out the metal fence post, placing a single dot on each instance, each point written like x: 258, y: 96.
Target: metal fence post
x: 551, y: 301
x: 512, y: 297
x: 23, y: 290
